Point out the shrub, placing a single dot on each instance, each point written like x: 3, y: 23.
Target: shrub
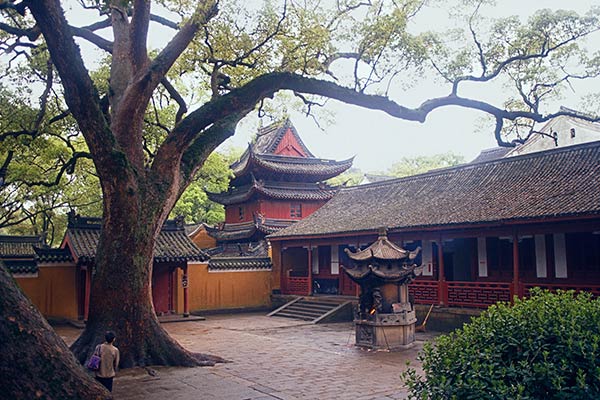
x: 543, y: 347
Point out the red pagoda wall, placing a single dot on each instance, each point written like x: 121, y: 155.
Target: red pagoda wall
x: 289, y: 146
x: 269, y: 209
x: 232, y: 212
x: 281, y: 209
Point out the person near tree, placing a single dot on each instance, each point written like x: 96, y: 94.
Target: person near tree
x: 109, y: 361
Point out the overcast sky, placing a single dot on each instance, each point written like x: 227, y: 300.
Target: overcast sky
x: 377, y: 140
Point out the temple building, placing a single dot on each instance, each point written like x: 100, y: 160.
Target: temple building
x: 277, y: 181
x: 488, y: 230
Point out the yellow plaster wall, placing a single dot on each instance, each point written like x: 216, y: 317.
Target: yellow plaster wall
x: 53, y: 291
x: 224, y: 290
x: 203, y: 240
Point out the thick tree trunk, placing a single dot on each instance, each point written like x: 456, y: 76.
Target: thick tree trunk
x: 35, y: 362
x: 121, y: 295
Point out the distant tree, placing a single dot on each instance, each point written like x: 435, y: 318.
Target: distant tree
x: 50, y: 169
x: 415, y: 165
x: 350, y: 177
x: 194, y: 204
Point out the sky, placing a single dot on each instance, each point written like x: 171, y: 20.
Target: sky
x: 377, y: 140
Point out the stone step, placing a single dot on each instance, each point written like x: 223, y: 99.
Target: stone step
x: 309, y: 309
x: 303, y: 312
x: 309, y: 306
x: 293, y: 316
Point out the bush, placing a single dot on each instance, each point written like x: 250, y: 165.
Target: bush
x: 544, y: 347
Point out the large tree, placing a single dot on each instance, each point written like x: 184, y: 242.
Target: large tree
x: 241, y: 56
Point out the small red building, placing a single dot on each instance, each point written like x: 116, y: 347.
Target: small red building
x: 488, y: 230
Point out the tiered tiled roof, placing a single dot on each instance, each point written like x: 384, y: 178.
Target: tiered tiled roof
x: 246, y: 230
x: 532, y: 187
x: 262, y: 158
x: 275, y: 190
x: 317, y: 169
x: 172, y: 244
x: 240, y: 256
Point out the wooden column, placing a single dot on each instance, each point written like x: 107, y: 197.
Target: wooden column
x: 185, y: 284
x: 283, y: 277
x: 442, y: 290
x: 310, y: 280
x: 356, y: 285
x: 86, y: 295
x: 516, y: 265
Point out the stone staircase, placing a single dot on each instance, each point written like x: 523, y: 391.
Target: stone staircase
x: 316, y: 309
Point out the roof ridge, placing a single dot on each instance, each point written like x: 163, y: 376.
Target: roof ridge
x: 445, y: 170
x: 20, y: 238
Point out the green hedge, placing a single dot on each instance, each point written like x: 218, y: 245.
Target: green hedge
x: 544, y: 347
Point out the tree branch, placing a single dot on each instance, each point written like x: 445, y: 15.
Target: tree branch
x: 68, y: 168
x: 164, y: 21
x: 80, y: 94
x: 91, y: 37
x: 138, y: 33
x: 177, y: 97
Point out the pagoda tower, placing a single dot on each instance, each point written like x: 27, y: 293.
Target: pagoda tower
x: 276, y: 182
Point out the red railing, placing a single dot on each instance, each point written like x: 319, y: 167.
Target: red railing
x: 297, y: 285
x: 461, y: 294
x: 593, y: 289
x: 478, y: 294
x: 424, y: 292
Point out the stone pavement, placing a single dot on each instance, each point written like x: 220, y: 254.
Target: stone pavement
x: 270, y: 358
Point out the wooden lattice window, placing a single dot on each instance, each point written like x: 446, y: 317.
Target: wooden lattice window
x: 296, y: 210
x: 241, y: 213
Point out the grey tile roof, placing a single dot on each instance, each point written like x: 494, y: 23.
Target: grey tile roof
x: 53, y: 255
x: 260, y: 156
x: 246, y: 230
x: 21, y: 266
x: 493, y: 153
x: 554, y: 183
x: 18, y: 246
x: 171, y: 245
x: 275, y: 190
x: 316, y: 168
x: 240, y: 256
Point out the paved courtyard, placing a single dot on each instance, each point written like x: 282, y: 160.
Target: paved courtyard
x: 270, y: 358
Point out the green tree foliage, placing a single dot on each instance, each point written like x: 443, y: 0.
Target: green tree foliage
x: 544, y: 347
x: 351, y: 177
x: 49, y: 170
x: 194, y: 204
x: 415, y: 165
